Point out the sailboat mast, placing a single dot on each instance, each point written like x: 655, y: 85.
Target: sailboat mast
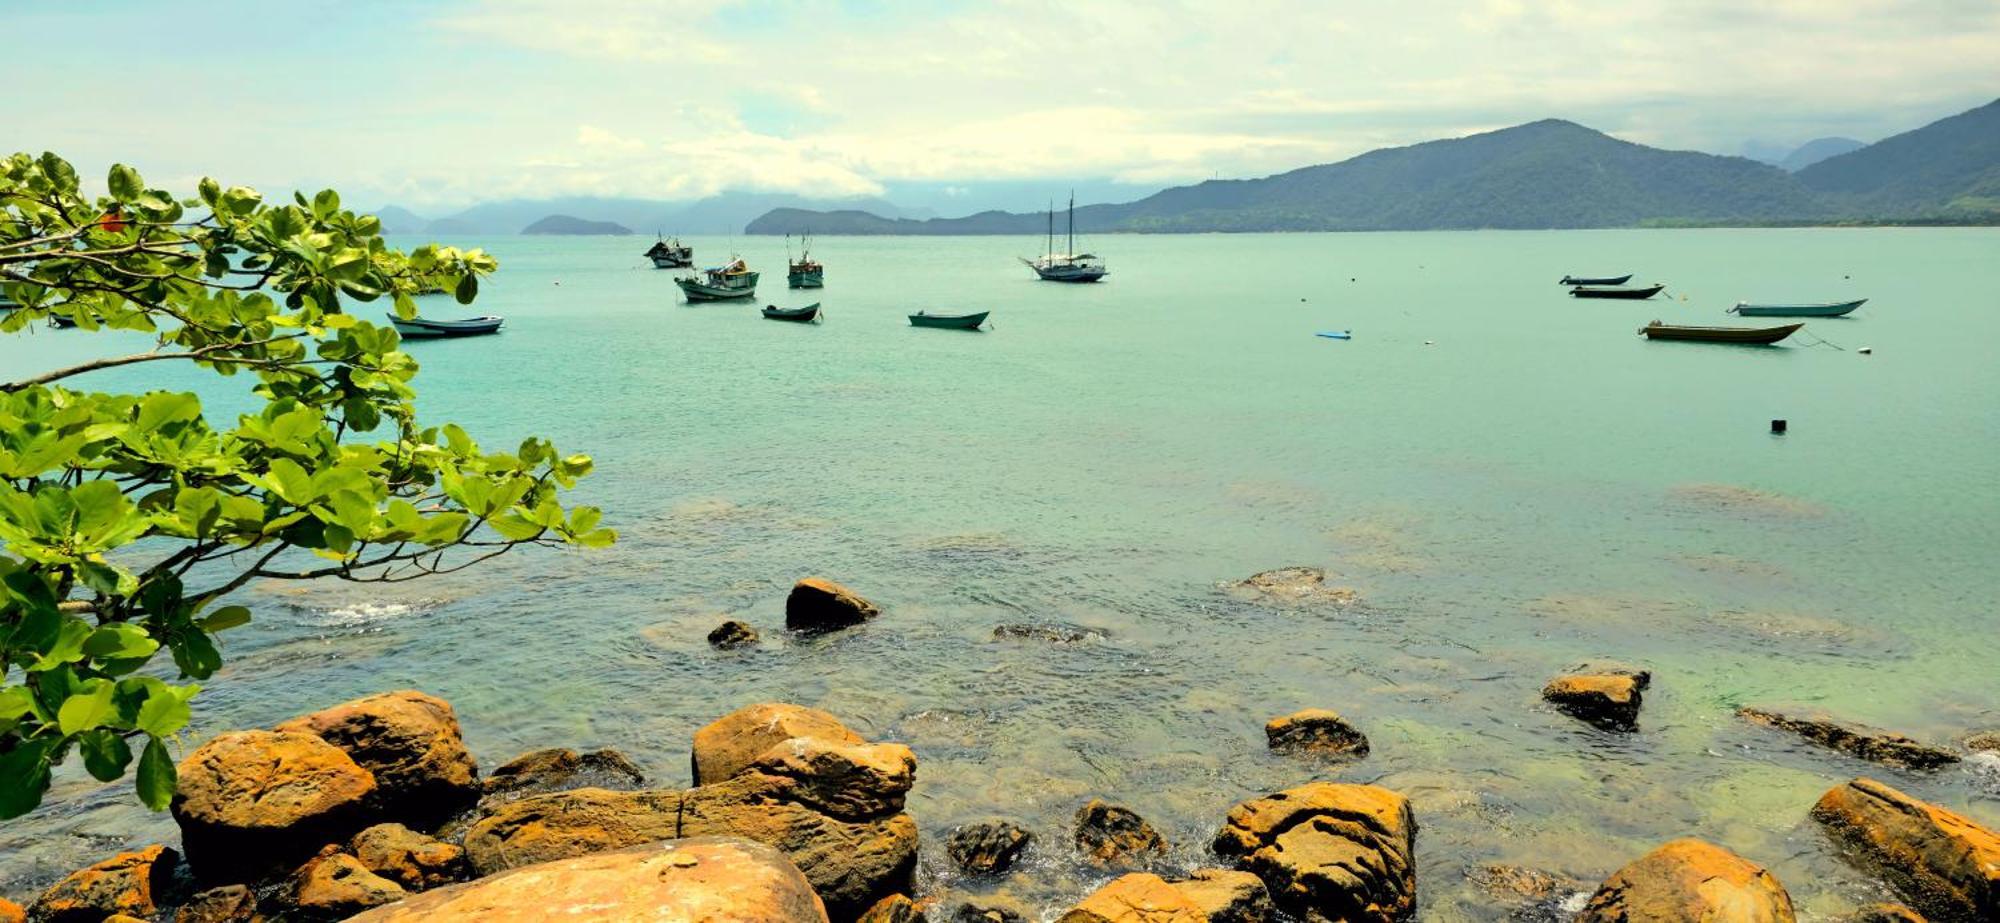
x: 1049, y: 245
x: 1072, y: 223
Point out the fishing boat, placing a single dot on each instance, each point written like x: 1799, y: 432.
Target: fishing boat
x: 1827, y: 309
x: 1597, y: 280
x: 1753, y: 336
x: 670, y: 254
x: 420, y: 328
x: 805, y: 315
x: 805, y: 273
x: 1629, y: 293
x: 722, y: 283
x: 949, y: 321
x: 1066, y: 267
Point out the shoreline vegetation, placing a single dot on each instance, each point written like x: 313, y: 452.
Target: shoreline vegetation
x: 374, y: 810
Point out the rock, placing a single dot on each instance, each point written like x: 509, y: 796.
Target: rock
x: 412, y: 744
x: 986, y: 910
x: 710, y: 879
x: 818, y: 605
x: 133, y: 883
x: 408, y: 858
x: 1343, y: 852
x: 563, y: 769
x: 252, y: 801
x: 849, y: 781
x: 1515, y: 885
x: 1227, y: 896
x: 988, y: 846
x: 122, y: 918
x: 896, y: 908
x: 1853, y: 739
x: 1136, y: 898
x: 1885, y: 913
x: 1050, y: 634
x: 563, y: 825
x: 732, y: 634
x: 1942, y: 863
x: 1690, y: 881
x: 227, y: 904
x: 1113, y: 835
x: 1608, y: 699
x: 851, y: 863
x: 1983, y: 741
x: 334, y: 886
x: 11, y: 912
x: 1315, y: 730
x: 731, y: 743
x: 1294, y: 586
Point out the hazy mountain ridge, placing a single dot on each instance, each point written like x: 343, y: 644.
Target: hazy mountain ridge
x: 726, y: 213
x: 1949, y: 167
x: 566, y: 225
x: 1816, y: 150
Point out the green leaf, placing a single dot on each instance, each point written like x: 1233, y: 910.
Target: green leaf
x: 68, y: 646
x: 124, y: 183
x: 88, y: 709
x: 468, y: 288
x: 165, y: 710
x: 224, y: 619
x: 105, y: 754
x: 156, y: 778
x: 196, y: 655
x: 120, y: 641
x: 24, y: 776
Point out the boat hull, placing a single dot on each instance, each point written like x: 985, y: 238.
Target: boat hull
x: 1830, y: 309
x: 420, y: 329
x: 672, y: 262
x: 1070, y: 273
x: 1748, y: 336
x: 812, y: 279
x: 950, y: 321
x: 1629, y: 294
x: 702, y: 291
x: 1601, y: 280
x: 805, y: 315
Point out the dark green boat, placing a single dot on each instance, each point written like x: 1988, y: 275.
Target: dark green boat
x: 949, y: 321
x: 805, y: 315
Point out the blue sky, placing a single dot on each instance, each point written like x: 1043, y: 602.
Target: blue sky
x: 440, y: 104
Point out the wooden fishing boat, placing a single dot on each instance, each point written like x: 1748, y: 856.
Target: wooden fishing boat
x: 1826, y: 309
x: 723, y: 283
x: 806, y: 272
x: 1753, y: 336
x: 1066, y: 267
x: 949, y: 321
x: 1635, y: 294
x: 670, y: 254
x: 419, y: 328
x: 1597, y: 280
x: 805, y: 315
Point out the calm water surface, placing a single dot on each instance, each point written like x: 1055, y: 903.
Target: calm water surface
x: 1513, y: 481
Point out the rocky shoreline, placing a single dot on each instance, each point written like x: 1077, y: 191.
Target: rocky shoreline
x: 375, y: 810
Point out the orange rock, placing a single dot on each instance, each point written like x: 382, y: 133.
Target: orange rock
x: 731, y: 743
x: 251, y: 801
x: 711, y: 879
x: 562, y: 769
x: 562, y: 825
x: 1944, y: 864
x: 227, y: 904
x: 820, y: 605
x: 334, y: 886
x: 1139, y: 897
x: 412, y: 744
x: 1689, y: 881
x: 849, y: 781
x: 852, y: 864
x: 1227, y: 897
x: 11, y: 912
x: 1113, y: 835
x: 1608, y: 699
x: 408, y: 858
x: 896, y: 908
x: 1315, y: 730
x: 1853, y: 739
x: 130, y: 883
x: 1343, y: 852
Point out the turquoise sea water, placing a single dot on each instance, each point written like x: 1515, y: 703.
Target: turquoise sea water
x: 1512, y: 480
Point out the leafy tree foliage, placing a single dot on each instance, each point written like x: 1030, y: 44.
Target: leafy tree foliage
x: 129, y: 519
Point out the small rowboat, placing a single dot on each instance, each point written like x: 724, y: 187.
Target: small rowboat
x: 1753, y: 336
x: 1828, y: 309
x: 418, y: 328
x: 949, y: 321
x: 805, y: 315
x: 1335, y: 334
x: 1631, y: 293
x: 1598, y: 280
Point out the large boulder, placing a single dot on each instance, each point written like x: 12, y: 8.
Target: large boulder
x: 412, y: 744
x: 408, y: 858
x: 1315, y: 730
x: 561, y: 825
x: 227, y: 904
x: 1114, y: 836
x: 851, y: 862
x: 249, y: 802
x: 1227, y: 896
x: 1943, y: 863
x: 1139, y: 897
x: 1689, y: 881
x: 334, y: 886
x: 1342, y: 852
x: 818, y: 605
x: 710, y: 879
x: 728, y: 745
x: 560, y: 769
x: 1853, y: 739
x: 1608, y: 699
x: 132, y: 883
x: 987, y: 847
x: 851, y: 781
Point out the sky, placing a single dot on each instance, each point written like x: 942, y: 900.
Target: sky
x: 437, y: 105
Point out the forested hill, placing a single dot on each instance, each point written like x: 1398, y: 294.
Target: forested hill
x: 1949, y: 167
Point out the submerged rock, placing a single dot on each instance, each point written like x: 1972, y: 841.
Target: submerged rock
x: 1983, y: 742
x: 227, y: 904
x: 711, y: 879
x: 986, y: 910
x: 133, y: 883
x: 1692, y: 881
x: 411, y: 743
x: 1515, y: 884
x: 334, y: 886
x: 1294, y: 586
x: 1854, y: 740
x: 988, y: 846
x: 563, y: 769
x: 408, y: 858
x: 1050, y: 634
x: 562, y: 825
x: 1136, y: 898
x: 1885, y: 913
x: 253, y: 801
x: 732, y: 634
x: 817, y: 605
x: 731, y: 743
x: 1113, y: 835
x: 1343, y: 852
x: 1608, y: 699
x: 1315, y: 730
x: 1941, y: 862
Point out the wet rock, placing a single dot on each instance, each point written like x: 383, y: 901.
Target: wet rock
x: 987, y: 847
x: 1139, y: 897
x: 408, y: 858
x: 562, y: 769
x: 1689, y: 880
x: 227, y: 904
x: 1293, y: 586
x: 1343, y: 852
x: 133, y: 883
x: 1315, y: 730
x: 731, y: 743
x: 986, y: 910
x: 411, y: 743
x: 334, y: 886
x: 1113, y: 835
x: 1852, y: 739
x: 1608, y: 699
x: 1514, y: 884
x: 896, y: 908
x: 849, y: 781
x: 252, y: 801
x: 851, y: 863
x: 1885, y: 913
x: 732, y: 634
x: 1983, y: 741
x: 711, y: 879
x: 562, y: 825
x: 1226, y: 896
x: 1048, y: 634
x: 1941, y: 862
x: 11, y: 912
x: 818, y: 605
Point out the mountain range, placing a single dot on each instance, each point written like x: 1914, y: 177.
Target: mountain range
x: 720, y: 214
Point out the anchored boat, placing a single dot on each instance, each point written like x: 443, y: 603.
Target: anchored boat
x: 723, y: 283
x: 1825, y: 309
x: 805, y: 315
x: 949, y: 321
x: 1752, y: 336
x: 418, y: 328
x: 1635, y: 294
x: 1597, y: 280
x: 670, y: 254
x: 805, y: 273
x: 1066, y: 267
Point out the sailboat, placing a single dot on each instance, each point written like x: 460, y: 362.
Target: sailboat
x: 1066, y: 267
x: 805, y: 273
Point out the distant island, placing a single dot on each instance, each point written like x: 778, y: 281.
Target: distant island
x: 1549, y: 174
x: 574, y: 227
